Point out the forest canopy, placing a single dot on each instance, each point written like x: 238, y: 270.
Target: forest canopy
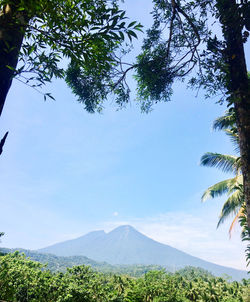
x: 24, y: 280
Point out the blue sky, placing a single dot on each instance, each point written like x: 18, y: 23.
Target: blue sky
x: 65, y: 172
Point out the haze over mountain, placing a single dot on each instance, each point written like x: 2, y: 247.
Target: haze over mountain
x: 125, y: 245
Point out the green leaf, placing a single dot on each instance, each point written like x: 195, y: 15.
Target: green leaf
x: 132, y: 23
x: 132, y: 33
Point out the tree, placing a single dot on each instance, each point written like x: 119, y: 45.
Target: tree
x: 227, y: 163
x: 24, y: 280
x: 183, y: 45
x: 245, y: 234
x: 36, y: 35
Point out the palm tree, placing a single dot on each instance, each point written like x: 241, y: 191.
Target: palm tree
x: 233, y: 187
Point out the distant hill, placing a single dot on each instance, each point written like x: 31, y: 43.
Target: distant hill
x: 126, y: 246
x: 60, y: 263
x: 56, y: 263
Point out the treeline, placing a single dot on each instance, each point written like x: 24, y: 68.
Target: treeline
x: 58, y: 264
x: 24, y: 280
x: 61, y: 264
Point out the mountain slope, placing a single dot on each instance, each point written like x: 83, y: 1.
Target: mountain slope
x: 125, y: 245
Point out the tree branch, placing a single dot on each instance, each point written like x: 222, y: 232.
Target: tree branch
x: 123, y: 76
x: 2, y: 142
x: 180, y: 10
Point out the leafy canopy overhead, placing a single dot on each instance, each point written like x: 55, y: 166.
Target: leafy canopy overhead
x: 183, y: 43
x: 84, y: 32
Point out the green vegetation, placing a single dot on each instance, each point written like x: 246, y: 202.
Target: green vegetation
x: 39, y: 35
x: 61, y: 264
x: 233, y: 187
x: 24, y: 280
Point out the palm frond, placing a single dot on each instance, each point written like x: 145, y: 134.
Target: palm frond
x: 231, y: 206
x: 234, y: 138
x: 236, y: 218
x: 220, y: 188
x: 226, y: 121
x: 245, y: 233
x: 236, y: 184
x: 225, y: 162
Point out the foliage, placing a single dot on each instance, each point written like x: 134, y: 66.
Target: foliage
x: 180, y: 44
x: 24, y: 280
x: 233, y: 187
x: 84, y: 32
x: 60, y: 264
x: 190, y: 273
x: 245, y: 234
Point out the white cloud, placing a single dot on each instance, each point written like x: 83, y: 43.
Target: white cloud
x: 115, y: 214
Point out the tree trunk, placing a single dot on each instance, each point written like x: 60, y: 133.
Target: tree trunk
x: 238, y: 85
x: 12, y: 28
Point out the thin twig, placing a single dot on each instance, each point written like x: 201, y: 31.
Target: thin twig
x: 2, y: 142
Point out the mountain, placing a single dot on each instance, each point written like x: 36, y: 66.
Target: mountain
x: 126, y: 246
